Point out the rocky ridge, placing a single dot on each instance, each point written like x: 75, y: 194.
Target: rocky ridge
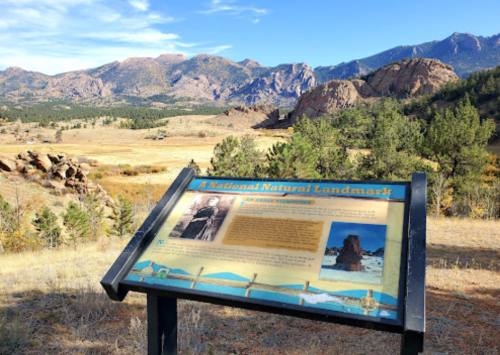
x: 220, y: 79
x: 64, y: 174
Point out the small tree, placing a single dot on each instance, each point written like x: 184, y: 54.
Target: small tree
x: 95, y: 213
x: 123, y: 216
x: 47, y: 228
x: 192, y: 164
x: 58, y: 136
x: 76, y: 221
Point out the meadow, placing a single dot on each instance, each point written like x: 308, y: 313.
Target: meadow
x: 51, y: 302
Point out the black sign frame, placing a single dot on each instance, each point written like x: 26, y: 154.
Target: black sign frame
x: 162, y: 301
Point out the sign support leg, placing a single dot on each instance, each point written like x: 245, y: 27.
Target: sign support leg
x: 162, y: 325
x: 412, y: 343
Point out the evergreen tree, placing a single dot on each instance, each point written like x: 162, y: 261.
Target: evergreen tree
x: 457, y: 139
x: 123, y: 216
x: 76, y: 221
x: 295, y: 159
x: 192, y: 164
x: 236, y: 158
x: 47, y: 228
x: 95, y: 212
x: 6, y: 223
x: 394, y: 148
x: 58, y: 136
x: 333, y: 161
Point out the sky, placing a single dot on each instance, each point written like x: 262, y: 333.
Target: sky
x: 54, y: 36
x: 372, y: 236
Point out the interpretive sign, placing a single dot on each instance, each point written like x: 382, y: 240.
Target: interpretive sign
x: 329, y: 250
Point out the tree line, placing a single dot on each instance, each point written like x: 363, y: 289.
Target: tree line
x: 47, y: 115
x: 379, y: 142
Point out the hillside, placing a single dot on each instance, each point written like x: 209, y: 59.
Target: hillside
x: 218, y: 79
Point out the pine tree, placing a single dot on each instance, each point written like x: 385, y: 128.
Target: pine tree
x: 76, y: 221
x: 95, y: 212
x: 236, y: 158
x: 457, y: 139
x: 394, y: 147
x: 46, y: 225
x: 295, y: 159
x: 123, y: 216
x: 330, y: 145
x: 192, y: 164
x: 58, y: 136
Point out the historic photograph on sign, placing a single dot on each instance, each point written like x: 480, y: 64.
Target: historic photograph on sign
x: 203, y: 217
x: 354, y: 252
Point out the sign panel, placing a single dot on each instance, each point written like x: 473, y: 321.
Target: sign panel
x: 320, y: 245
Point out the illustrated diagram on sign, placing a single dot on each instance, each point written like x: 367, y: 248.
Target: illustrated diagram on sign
x: 203, y: 217
x: 355, y: 253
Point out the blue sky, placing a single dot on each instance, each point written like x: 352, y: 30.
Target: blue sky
x: 53, y: 36
x: 372, y: 236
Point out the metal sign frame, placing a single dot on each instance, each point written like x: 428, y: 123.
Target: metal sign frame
x: 162, y: 301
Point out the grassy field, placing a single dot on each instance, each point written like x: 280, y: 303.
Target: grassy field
x: 52, y: 303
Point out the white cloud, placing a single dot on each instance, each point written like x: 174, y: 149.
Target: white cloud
x: 54, y: 36
x: 146, y: 37
x: 218, y: 49
x: 221, y: 6
x: 141, y: 5
x: 256, y: 20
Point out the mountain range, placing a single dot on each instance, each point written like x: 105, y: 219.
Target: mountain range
x: 218, y: 79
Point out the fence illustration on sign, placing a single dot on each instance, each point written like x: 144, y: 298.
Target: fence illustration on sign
x: 252, y: 288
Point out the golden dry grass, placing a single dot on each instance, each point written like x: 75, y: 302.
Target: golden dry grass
x: 52, y: 303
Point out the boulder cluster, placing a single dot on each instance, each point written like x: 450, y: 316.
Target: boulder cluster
x: 63, y: 172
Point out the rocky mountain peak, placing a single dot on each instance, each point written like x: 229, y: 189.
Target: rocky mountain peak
x: 171, y: 58
x: 282, y: 84
x: 249, y: 63
x: 495, y: 41
x: 12, y: 70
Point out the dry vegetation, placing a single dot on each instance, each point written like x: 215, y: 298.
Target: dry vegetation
x: 52, y: 303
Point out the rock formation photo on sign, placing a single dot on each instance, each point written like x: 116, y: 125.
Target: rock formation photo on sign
x: 355, y: 253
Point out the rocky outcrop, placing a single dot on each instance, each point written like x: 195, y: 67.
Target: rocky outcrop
x: 78, y: 85
x: 282, y: 84
x: 407, y: 77
x: 351, y: 254
x: 269, y: 111
x: 257, y: 116
x: 325, y: 99
x: 62, y: 172
x: 411, y: 76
